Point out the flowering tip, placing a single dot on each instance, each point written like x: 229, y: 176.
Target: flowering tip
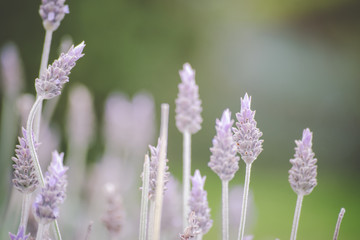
x: 57, y: 163
x: 307, y: 137
x: 20, y: 235
x: 245, y: 102
x: 198, y: 181
x: 52, y: 12
x: 187, y: 74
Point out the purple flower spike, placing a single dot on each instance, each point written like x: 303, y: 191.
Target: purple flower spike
x: 25, y: 178
x: 198, y: 202
x: 52, y: 12
x: 50, y: 84
x: 20, y: 235
x: 223, y: 160
x: 46, y: 206
x: 302, y: 175
x: 188, y: 104
x: 247, y: 135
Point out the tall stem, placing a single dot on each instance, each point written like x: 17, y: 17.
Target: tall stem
x: 161, y: 170
x: 244, y: 202
x: 186, y: 175
x: 151, y: 219
x: 225, y: 210
x: 40, y: 231
x: 337, y: 228
x: 296, y: 217
x: 25, y: 210
x: 144, y: 199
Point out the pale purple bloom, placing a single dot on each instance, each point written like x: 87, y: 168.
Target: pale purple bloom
x: 223, y: 160
x: 20, y: 235
x: 46, y: 206
x: 192, y: 230
x: 12, y: 70
x: 198, y: 202
x: 51, y: 82
x: 52, y: 12
x: 247, y: 135
x: 25, y: 178
x: 302, y: 175
x: 188, y: 104
x: 154, y: 165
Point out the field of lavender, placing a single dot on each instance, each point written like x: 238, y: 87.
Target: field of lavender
x: 112, y: 134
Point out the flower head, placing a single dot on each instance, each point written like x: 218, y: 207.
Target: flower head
x: 188, y: 104
x: 20, y: 235
x: 223, y: 160
x: 52, y: 12
x: 302, y: 175
x: 247, y: 135
x: 25, y: 178
x: 198, y: 202
x: 50, y: 84
x: 46, y: 206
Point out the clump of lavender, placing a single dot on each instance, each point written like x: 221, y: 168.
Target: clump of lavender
x: 247, y: 137
x: 52, y: 12
x: 20, y: 235
x: 198, y: 203
x: 192, y: 230
x: 50, y: 84
x: 154, y: 165
x: 188, y: 121
x: 302, y: 175
x: 25, y: 179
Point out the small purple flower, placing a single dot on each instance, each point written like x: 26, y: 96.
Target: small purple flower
x: 25, y: 178
x: 46, y: 206
x: 302, y: 175
x: 50, y: 84
x: 198, y: 202
x: 20, y: 235
x: 223, y: 160
x: 188, y: 104
x: 247, y: 135
x: 52, y: 12
x: 192, y: 230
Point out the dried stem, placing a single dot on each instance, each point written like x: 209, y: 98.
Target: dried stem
x: 161, y: 170
x: 225, y: 210
x: 144, y: 199
x: 186, y: 175
x: 244, y: 202
x: 296, y: 216
x: 337, y: 228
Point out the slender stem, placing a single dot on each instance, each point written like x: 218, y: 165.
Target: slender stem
x: 161, y: 170
x: 337, y: 228
x: 296, y: 216
x: 225, y: 210
x: 25, y: 210
x: 244, y: 202
x: 186, y: 175
x: 144, y: 199
x: 151, y: 220
x: 40, y: 231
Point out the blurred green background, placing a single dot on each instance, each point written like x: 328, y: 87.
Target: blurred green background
x: 299, y: 60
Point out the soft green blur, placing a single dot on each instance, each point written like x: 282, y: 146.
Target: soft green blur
x: 298, y: 60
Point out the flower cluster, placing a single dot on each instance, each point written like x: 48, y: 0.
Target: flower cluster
x: 20, y: 235
x: 52, y: 12
x: 50, y: 84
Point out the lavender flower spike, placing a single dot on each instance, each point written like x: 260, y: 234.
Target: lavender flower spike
x: 25, y: 179
x: 50, y: 84
x: 20, y: 235
x: 247, y: 135
x: 223, y: 160
x: 52, y: 12
x: 154, y: 165
x: 46, y: 206
x: 188, y: 104
x: 302, y: 175
x: 198, y: 202
x: 192, y: 230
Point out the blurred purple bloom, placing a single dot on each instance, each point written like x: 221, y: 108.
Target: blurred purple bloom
x: 20, y: 235
x: 223, y: 160
x: 50, y: 84
x: 198, y: 202
x: 192, y: 230
x: 25, y: 178
x: 52, y: 12
x: 302, y: 175
x: 247, y: 135
x: 188, y: 104
x: 46, y: 206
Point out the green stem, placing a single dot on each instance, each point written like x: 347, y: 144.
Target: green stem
x: 296, y: 217
x: 225, y: 210
x: 244, y: 202
x: 186, y: 175
x: 337, y: 228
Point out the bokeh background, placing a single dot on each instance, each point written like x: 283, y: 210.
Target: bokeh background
x: 299, y: 60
